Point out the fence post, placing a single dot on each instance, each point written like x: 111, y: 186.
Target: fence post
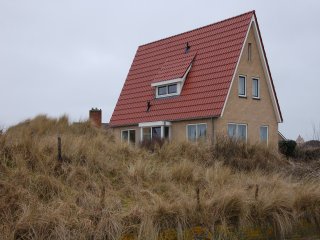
x: 59, y: 150
x: 257, y: 192
x: 198, y: 197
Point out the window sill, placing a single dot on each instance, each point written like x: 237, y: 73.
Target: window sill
x: 242, y: 96
x: 256, y: 98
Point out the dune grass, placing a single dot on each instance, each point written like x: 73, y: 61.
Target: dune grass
x: 105, y: 190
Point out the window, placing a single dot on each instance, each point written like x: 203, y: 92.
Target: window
x: 162, y: 90
x: 167, y: 90
x: 237, y: 131
x: 249, y: 52
x: 196, y: 132
x: 153, y: 133
x: 156, y: 133
x: 264, y: 134
x: 146, y: 132
x: 172, y: 88
x: 255, y: 88
x: 166, y: 132
x: 128, y: 136
x: 242, y: 86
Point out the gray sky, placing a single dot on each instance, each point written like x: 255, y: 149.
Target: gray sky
x: 64, y: 57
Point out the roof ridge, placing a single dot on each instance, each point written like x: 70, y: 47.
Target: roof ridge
x: 211, y: 24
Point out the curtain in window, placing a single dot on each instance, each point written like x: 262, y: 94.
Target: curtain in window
x: 202, y: 130
x: 263, y: 133
x: 232, y: 130
x: 192, y: 132
x: 242, y: 132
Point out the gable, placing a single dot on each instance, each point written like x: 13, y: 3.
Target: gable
x: 250, y: 109
x: 258, y: 68
x: 217, y: 48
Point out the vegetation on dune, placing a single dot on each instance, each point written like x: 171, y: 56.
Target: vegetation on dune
x: 105, y: 190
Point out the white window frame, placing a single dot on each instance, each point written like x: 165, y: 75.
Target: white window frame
x: 238, y: 124
x: 196, y: 124
x: 245, y: 86
x: 266, y: 126
x: 258, y: 81
x: 168, y: 94
x: 128, y: 130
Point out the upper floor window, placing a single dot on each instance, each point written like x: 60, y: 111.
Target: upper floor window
x: 237, y: 131
x: 167, y: 90
x: 196, y: 132
x: 255, y: 88
x: 242, y: 86
x: 264, y: 134
x: 128, y: 136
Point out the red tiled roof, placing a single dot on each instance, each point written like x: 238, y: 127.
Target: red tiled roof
x: 217, y: 48
x: 174, y: 68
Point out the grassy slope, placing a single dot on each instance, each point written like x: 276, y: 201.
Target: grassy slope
x: 104, y: 190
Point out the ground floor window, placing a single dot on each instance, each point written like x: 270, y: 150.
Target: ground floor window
x: 128, y: 136
x: 264, y: 132
x: 237, y: 131
x: 155, y: 133
x: 196, y: 131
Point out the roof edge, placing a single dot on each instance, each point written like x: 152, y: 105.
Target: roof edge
x: 268, y: 67
x: 242, y: 14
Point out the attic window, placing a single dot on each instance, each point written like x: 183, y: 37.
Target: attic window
x: 167, y: 90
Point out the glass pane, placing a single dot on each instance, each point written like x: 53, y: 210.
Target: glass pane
x: 232, y: 130
x: 125, y: 136
x: 242, y: 86
x: 146, y: 134
x: 263, y: 133
x: 166, y: 132
x: 192, y: 133
x: 202, y: 130
x: 156, y: 132
x: 255, y: 88
x: 242, y: 132
x: 172, y: 88
x: 132, y: 136
x: 162, y: 90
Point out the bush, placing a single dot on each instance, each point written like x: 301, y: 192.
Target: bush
x: 307, y: 154
x: 287, y: 147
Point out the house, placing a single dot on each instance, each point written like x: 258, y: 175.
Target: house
x: 197, y: 85
x: 300, y: 140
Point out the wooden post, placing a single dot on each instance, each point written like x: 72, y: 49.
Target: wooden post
x: 198, y: 198
x: 257, y: 192
x: 59, y: 150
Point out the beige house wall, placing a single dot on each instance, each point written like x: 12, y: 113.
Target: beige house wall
x: 178, y: 130
x: 253, y: 112
x: 117, y: 132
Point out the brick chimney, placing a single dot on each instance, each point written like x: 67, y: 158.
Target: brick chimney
x: 95, y: 117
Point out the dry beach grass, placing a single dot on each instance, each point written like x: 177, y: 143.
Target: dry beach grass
x: 105, y: 190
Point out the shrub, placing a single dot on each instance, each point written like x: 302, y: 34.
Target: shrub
x: 287, y: 147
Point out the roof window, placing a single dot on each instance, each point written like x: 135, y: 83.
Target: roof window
x: 167, y: 90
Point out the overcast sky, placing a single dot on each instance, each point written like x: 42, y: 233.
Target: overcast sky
x: 64, y: 57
